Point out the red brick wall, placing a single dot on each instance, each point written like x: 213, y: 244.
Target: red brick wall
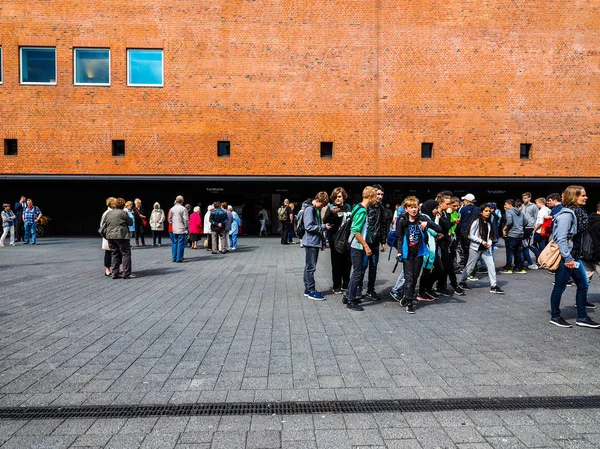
x: 278, y: 77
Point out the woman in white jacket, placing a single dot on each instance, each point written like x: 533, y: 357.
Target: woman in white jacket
x: 206, y: 227
x: 157, y: 223
x: 481, y: 238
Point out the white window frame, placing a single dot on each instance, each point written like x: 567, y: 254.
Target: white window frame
x: 162, y: 67
x: 37, y: 82
x: 75, y: 83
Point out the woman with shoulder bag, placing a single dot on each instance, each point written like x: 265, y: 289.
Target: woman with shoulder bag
x: 569, y: 223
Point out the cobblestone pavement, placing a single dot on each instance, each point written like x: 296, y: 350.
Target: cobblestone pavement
x: 236, y: 328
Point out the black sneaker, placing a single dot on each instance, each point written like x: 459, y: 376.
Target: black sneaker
x: 497, y: 290
x: 589, y: 305
x: 344, y: 299
x: 444, y: 292
x: 396, y: 296
x: 354, y: 306
x: 560, y: 322
x: 588, y: 322
x: 464, y: 286
x: 373, y: 296
x: 410, y: 308
x: 458, y: 291
x: 432, y: 293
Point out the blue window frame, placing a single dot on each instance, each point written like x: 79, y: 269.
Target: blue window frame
x: 38, y: 65
x: 145, y: 68
x: 92, y: 66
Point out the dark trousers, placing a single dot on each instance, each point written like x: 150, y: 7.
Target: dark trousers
x: 356, y: 257
x: 310, y: 266
x: 429, y: 276
x: 285, y: 228
x: 525, y: 249
x: 563, y: 274
x: 370, y: 262
x: 464, y: 245
x: 139, y: 233
x: 412, y: 269
x: 340, y: 268
x: 156, y: 236
x: 447, y: 268
x: 19, y: 230
x: 513, y: 250
x: 107, y: 258
x: 121, y: 256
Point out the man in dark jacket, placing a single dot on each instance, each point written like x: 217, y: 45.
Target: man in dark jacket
x: 19, y: 227
x: 116, y: 231
x: 594, y: 231
x: 376, y: 235
x: 218, y: 222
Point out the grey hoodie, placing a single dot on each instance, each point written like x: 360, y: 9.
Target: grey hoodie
x: 530, y: 212
x: 515, y: 223
x: 563, y: 229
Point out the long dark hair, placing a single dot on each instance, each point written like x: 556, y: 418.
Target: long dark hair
x: 483, y: 228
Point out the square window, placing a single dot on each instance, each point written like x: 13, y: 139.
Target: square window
x: 426, y: 150
x: 38, y: 65
x: 92, y: 66
x: 223, y: 148
x: 10, y: 147
x: 145, y: 68
x: 118, y: 148
x: 525, y: 151
x: 327, y: 149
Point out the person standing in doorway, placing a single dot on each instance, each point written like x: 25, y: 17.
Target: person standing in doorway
x: 31, y: 217
x: 141, y: 221
x: 19, y: 226
x: 286, y: 218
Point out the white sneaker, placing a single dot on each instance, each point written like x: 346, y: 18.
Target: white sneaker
x: 533, y: 266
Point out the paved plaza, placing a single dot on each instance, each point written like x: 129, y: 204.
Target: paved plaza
x: 236, y: 328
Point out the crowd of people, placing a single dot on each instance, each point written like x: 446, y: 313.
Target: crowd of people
x: 20, y: 224
x: 126, y: 220
x: 441, y: 237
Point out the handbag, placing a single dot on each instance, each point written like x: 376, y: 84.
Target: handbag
x: 550, y: 257
x: 206, y: 242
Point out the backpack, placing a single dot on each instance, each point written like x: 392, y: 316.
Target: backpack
x: 300, y: 230
x: 341, y: 242
x: 281, y: 213
x: 586, y: 251
x: 546, y: 229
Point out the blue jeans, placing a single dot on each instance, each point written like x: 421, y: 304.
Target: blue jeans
x: 370, y: 262
x: 563, y: 274
x: 30, y: 227
x: 356, y: 257
x: 178, y: 247
x: 310, y: 266
x: 513, y: 249
x: 233, y: 241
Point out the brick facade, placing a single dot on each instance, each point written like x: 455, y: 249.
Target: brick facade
x: 276, y: 78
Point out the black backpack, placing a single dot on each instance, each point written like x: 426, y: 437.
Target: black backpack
x: 586, y: 250
x: 341, y: 241
x: 300, y: 230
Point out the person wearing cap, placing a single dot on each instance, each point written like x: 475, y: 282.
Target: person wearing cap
x: 467, y: 212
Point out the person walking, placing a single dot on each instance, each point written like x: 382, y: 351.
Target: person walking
x: 111, y: 203
x: 141, y: 221
x: 263, y: 218
x: 337, y: 214
x: 116, y: 230
x: 195, y: 227
x: 180, y: 220
x: 568, y: 226
x: 157, y: 224
x: 482, y: 234
x: 513, y: 233
x: 31, y: 217
x: 19, y: 225
x: 8, y: 224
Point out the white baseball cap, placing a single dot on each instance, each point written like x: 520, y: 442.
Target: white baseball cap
x: 469, y: 197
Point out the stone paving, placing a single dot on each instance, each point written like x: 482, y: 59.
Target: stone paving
x: 237, y: 328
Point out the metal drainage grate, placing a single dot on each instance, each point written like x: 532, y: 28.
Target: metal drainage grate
x: 300, y: 408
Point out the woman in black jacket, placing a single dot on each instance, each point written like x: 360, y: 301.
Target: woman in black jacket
x: 336, y: 214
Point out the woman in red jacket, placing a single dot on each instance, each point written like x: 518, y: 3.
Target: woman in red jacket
x: 195, y: 227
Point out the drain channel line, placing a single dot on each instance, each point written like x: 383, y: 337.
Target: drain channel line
x: 297, y: 408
